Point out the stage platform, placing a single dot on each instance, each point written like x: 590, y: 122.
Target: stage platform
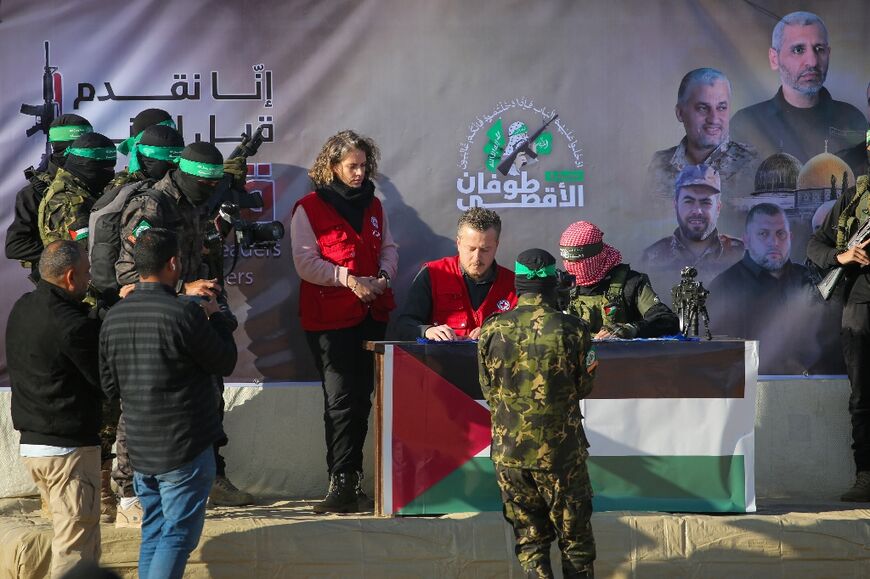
x: 284, y: 538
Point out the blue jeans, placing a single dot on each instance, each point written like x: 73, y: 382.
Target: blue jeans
x: 174, y: 514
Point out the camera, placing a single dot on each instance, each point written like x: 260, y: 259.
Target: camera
x: 250, y: 234
x: 689, y: 297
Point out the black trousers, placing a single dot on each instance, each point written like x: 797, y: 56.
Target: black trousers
x: 855, y: 334
x: 348, y: 376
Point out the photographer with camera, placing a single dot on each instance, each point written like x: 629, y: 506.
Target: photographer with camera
x: 616, y: 301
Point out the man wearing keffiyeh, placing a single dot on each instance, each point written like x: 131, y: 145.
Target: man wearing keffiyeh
x: 616, y: 301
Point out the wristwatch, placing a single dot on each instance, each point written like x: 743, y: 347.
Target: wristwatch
x: 386, y: 276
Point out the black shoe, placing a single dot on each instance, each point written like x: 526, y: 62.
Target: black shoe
x: 341, y: 496
x: 860, y: 491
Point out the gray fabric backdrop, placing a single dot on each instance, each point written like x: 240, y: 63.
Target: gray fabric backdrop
x: 426, y: 80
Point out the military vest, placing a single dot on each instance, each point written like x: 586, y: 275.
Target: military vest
x: 66, y: 218
x: 598, y: 310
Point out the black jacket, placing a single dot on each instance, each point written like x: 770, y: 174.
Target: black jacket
x: 51, y: 353
x: 23, y: 241
x: 822, y: 250
x: 158, y: 353
x: 774, y: 125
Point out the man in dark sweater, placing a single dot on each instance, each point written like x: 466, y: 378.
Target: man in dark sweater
x: 51, y: 353
x: 158, y: 352
x: 802, y: 118
x: 767, y: 297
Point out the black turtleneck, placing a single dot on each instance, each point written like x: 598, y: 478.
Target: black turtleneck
x: 350, y: 202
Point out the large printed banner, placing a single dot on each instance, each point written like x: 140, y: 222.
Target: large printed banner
x: 670, y: 427
x: 450, y: 92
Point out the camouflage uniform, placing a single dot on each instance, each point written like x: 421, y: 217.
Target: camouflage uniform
x: 671, y: 254
x: 533, y: 372
x: 735, y: 162
x: 64, y: 210
x: 123, y: 177
x: 174, y: 212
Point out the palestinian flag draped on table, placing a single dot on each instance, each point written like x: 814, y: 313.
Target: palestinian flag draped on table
x: 670, y: 424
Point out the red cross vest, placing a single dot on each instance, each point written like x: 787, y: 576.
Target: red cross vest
x: 451, y: 304
x: 334, y: 307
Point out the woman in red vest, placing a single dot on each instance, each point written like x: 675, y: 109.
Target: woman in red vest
x: 345, y: 257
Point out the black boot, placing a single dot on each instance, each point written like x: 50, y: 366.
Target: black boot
x: 860, y: 491
x: 341, y: 496
x: 364, y: 503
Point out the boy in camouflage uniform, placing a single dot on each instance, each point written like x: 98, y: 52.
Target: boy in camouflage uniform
x: 536, y: 364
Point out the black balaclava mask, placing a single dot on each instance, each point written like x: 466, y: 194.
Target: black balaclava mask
x: 157, y: 151
x: 535, y: 272
x: 92, y: 158
x: 200, y: 168
x: 63, y: 131
x: 148, y: 118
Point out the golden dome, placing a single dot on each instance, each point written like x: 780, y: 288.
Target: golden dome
x: 779, y: 172
x: 817, y: 172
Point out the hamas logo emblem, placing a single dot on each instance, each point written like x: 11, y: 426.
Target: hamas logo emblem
x: 520, y: 155
x: 503, y: 305
x: 141, y: 228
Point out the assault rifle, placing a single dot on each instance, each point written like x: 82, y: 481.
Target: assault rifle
x: 830, y: 281
x: 524, y: 147
x: 45, y: 113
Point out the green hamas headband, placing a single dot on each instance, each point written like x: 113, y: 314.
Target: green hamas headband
x: 203, y: 170
x: 96, y: 153
x: 153, y: 152
x: 546, y: 271
x: 68, y: 132
x: 129, y: 144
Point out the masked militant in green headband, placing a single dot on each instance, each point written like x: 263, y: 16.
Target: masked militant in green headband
x: 95, y: 153
x: 67, y: 132
x: 546, y: 271
x: 169, y: 154
x: 128, y: 146
x: 202, y: 170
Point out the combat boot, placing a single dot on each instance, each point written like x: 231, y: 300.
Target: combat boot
x: 363, y: 502
x: 341, y: 496
x: 860, y: 491
x: 108, y: 500
x: 225, y: 494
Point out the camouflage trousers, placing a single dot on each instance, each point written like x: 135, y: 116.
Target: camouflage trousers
x: 108, y: 429
x: 543, y: 506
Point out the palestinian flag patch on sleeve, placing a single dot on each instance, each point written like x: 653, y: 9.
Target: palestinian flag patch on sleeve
x: 141, y: 228
x: 78, y: 234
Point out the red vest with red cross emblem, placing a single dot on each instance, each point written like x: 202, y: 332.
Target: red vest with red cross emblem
x: 334, y: 307
x: 451, y: 304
